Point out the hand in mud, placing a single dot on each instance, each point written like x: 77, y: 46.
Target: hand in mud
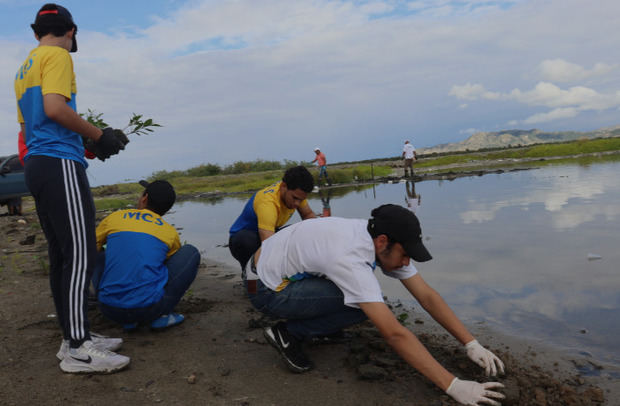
x: 485, y: 358
x: 472, y: 393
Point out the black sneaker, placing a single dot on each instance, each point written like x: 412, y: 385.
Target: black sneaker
x: 289, y: 347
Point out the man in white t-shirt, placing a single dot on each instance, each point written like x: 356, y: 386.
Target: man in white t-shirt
x: 409, y: 155
x: 318, y: 275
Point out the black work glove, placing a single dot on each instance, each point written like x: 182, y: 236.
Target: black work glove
x: 110, y: 143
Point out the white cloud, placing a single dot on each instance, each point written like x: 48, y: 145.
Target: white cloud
x: 559, y: 70
x: 556, y: 114
x: 475, y: 91
x: 549, y: 95
x: 565, y: 103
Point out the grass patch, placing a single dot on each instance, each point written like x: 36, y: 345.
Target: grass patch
x: 582, y: 161
x: 113, y: 203
x: 354, y: 174
x: 534, y: 151
x: 223, y: 183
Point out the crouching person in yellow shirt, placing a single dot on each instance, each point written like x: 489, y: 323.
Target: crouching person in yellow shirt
x: 144, y: 271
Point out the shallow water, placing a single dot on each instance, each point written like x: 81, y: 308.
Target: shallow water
x: 534, y: 253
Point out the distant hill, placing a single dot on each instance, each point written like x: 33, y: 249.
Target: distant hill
x: 513, y: 138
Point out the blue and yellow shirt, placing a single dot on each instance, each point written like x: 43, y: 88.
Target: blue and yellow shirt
x: 48, y: 69
x: 265, y: 210
x: 138, y: 242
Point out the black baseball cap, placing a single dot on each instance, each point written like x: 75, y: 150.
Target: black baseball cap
x: 161, y: 195
x: 56, y: 16
x: 401, y: 226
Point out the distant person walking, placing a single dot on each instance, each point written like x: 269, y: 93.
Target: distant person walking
x: 322, y: 164
x: 409, y: 155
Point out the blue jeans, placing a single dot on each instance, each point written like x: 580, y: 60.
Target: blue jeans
x: 182, y: 269
x: 323, y: 173
x: 312, y: 306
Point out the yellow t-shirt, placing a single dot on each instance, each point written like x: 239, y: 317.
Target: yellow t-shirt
x: 47, y: 70
x: 264, y: 210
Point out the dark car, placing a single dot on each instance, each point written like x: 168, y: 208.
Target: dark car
x: 12, y: 184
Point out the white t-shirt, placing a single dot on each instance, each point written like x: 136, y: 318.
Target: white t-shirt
x: 408, y: 150
x: 338, y: 249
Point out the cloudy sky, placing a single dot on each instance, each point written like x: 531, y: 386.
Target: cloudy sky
x: 244, y: 79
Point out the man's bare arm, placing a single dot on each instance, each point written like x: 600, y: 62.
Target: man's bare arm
x: 306, y: 212
x: 264, y: 234
x: 406, y: 344
x: 434, y: 304
x: 56, y: 108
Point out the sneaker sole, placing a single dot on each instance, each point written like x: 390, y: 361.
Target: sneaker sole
x: 88, y: 369
x: 268, y: 333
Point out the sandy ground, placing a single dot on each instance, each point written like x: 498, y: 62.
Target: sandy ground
x: 218, y: 356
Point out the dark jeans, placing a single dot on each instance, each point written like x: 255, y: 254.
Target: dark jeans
x: 312, y: 306
x: 182, y: 269
x: 243, y: 244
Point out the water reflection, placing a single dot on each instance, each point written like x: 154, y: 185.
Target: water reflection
x: 412, y: 199
x: 554, y: 193
x: 510, y: 250
x: 326, y: 195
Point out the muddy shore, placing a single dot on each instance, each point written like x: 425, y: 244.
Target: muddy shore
x: 218, y: 356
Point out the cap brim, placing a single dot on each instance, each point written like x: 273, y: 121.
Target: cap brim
x: 144, y: 183
x: 417, y: 251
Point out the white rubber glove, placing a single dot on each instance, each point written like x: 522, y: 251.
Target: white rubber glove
x: 485, y: 358
x: 472, y: 393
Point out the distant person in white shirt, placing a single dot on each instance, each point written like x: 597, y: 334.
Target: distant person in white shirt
x: 318, y: 275
x: 409, y: 155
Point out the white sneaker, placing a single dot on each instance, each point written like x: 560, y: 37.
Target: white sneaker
x: 100, y: 341
x: 89, y: 359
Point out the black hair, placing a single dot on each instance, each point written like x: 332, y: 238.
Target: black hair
x: 160, y: 196
x: 156, y: 207
x: 298, y: 177
x: 51, y: 24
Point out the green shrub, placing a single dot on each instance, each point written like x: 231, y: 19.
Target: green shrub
x: 204, y: 170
